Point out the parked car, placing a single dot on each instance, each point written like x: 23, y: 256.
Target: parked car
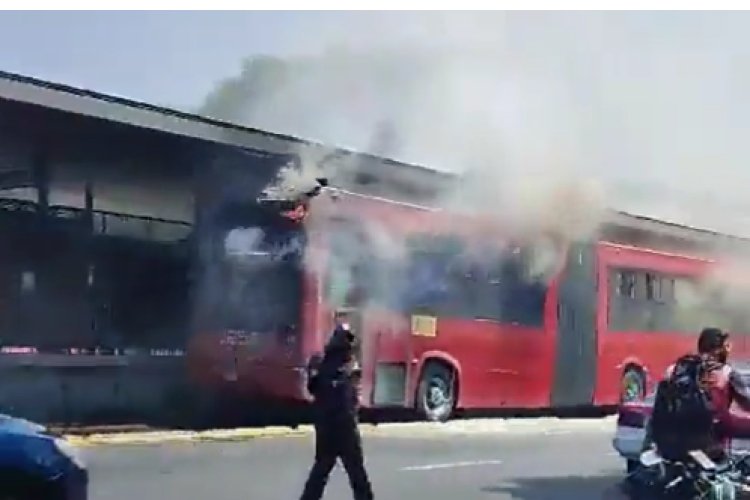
x: 632, y: 419
x: 36, y: 464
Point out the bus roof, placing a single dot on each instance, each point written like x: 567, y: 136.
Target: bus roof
x: 651, y: 251
x: 651, y: 224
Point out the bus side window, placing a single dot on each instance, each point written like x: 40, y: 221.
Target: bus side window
x: 427, y: 283
x: 641, y: 315
x: 486, y: 289
x: 660, y: 297
x: 642, y: 312
x: 522, y: 296
x: 436, y: 276
x: 626, y: 281
x: 355, y: 273
x: 614, y: 309
x: 623, y: 306
x: 344, y: 249
x: 644, y: 301
x: 483, y: 287
x: 653, y: 287
x: 689, y: 311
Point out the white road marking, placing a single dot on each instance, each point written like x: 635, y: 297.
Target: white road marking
x: 451, y: 465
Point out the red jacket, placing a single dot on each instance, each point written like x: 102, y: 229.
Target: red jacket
x: 727, y: 387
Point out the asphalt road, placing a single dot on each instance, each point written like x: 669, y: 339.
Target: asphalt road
x: 573, y: 465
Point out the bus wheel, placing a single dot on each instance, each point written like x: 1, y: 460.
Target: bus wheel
x: 633, y: 386
x: 436, y: 394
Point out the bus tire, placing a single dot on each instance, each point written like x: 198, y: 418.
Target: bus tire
x: 436, y: 396
x: 632, y: 385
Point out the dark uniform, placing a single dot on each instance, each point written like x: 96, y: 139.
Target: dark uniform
x: 334, y: 387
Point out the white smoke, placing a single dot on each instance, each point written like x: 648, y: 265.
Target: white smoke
x: 645, y: 108
x: 550, y: 118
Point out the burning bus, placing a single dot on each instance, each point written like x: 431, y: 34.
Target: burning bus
x: 446, y: 310
x: 450, y: 312
x: 133, y: 235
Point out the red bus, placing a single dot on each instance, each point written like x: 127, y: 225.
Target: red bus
x: 448, y: 311
x: 651, y: 307
x: 426, y: 324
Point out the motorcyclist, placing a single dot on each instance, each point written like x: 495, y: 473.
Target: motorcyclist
x: 334, y: 383
x: 723, y: 385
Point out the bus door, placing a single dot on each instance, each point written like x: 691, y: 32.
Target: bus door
x: 346, y: 287
x: 576, y: 356
x: 358, y: 289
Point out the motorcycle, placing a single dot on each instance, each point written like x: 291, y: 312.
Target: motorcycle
x: 696, y: 477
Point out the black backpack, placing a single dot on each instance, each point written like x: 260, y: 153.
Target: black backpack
x: 683, y: 415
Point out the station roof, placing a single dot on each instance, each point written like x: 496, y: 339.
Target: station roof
x: 66, y: 98
x: 61, y: 97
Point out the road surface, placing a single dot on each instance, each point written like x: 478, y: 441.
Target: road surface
x: 568, y: 465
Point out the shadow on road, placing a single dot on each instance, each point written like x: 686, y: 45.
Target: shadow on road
x: 562, y: 488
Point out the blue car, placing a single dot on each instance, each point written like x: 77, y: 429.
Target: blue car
x: 35, y: 464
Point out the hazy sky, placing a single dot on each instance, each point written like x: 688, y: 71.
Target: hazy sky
x: 175, y: 57
x: 163, y: 57
x: 655, y: 103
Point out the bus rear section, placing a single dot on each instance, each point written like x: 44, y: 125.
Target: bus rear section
x: 249, y: 288
x: 251, y: 315
x: 652, y: 306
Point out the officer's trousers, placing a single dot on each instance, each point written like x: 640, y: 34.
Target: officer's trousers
x: 332, y: 441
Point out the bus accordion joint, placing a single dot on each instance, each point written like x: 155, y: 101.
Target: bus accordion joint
x: 424, y: 326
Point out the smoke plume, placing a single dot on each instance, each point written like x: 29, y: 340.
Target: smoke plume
x: 642, y: 105
x: 549, y: 118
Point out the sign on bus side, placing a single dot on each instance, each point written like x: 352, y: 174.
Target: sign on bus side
x: 424, y: 326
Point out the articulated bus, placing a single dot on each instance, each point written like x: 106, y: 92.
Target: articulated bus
x: 450, y: 314
x: 134, y: 245
x: 650, y: 308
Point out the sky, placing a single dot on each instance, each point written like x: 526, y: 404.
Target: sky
x: 169, y: 58
x: 653, y: 103
x: 175, y: 57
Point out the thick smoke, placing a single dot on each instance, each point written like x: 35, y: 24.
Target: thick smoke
x: 647, y: 105
x: 455, y: 106
x: 295, y: 179
x: 549, y: 117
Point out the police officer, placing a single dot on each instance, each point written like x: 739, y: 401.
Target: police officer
x: 333, y: 382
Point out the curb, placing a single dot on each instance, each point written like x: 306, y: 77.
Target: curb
x: 407, y: 430
x: 165, y: 437
x: 81, y: 430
